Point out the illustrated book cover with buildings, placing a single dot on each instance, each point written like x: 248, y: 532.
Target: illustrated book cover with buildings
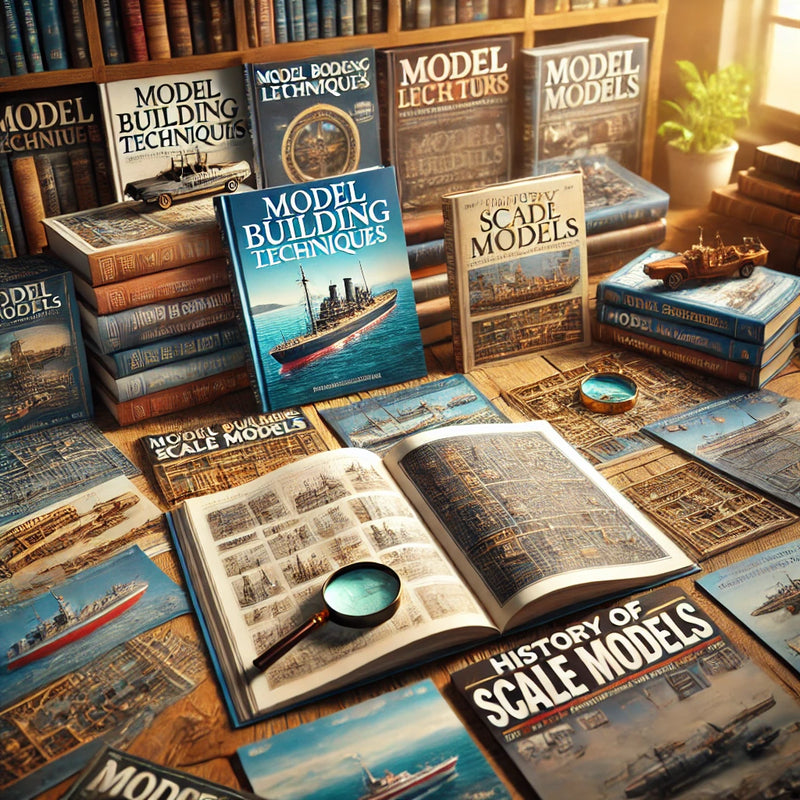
x: 42, y: 352
x: 408, y: 740
x: 320, y: 272
x: 517, y: 269
x: 489, y: 527
x: 763, y: 593
x: 192, y: 119
x: 314, y: 117
x: 751, y: 309
x: 746, y: 435
x: 447, y: 122
x: 585, y: 97
x: 646, y: 698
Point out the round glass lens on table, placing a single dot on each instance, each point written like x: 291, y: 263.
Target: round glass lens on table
x: 362, y: 591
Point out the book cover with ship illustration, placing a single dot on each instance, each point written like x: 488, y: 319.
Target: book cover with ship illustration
x: 647, y: 698
x: 192, y: 118
x: 42, y: 358
x: 763, y: 593
x: 585, y: 97
x: 321, y: 273
x: 314, y: 117
x: 517, y: 269
x: 405, y: 743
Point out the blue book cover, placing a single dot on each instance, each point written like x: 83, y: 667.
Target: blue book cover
x: 42, y: 355
x: 13, y: 33
x: 763, y: 593
x: 281, y: 21
x: 321, y: 273
x: 614, y: 197
x: 312, y: 19
x: 328, y: 19
x: 751, y: 309
x: 51, y: 34
x: 296, y: 19
x: 30, y: 35
x: 315, y: 117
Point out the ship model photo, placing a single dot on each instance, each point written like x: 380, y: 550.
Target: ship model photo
x: 67, y: 625
x: 406, y: 785
x: 336, y: 319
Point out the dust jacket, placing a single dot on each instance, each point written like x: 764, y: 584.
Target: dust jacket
x: 585, y: 97
x: 517, y: 269
x: 646, y: 698
x: 314, y: 117
x: 191, y: 118
x: 320, y: 271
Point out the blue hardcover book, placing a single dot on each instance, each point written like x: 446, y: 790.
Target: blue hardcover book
x: 313, y: 118
x: 110, y: 32
x: 750, y: 309
x: 41, y: 347
x: 75, y: 33
x: 296, y: 17
x: 12, y: 207
x: 5, y: 64
x: 30, y: 35
x: 614, y: 197
x: 328, y: 19
x: 320, y: 271
x: 51, y: 35
x: 312, y: 19
x: 705, y: 341
x: 346, y: 18
x: 13, y: 37
x: 281, y: 21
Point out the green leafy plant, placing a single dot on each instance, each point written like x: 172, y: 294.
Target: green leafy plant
x: 715, y: 105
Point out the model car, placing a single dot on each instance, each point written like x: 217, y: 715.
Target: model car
x: 186, y: 178
x: 702, y: 262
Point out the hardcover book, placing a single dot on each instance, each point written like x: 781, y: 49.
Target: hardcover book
x: 646, y: 698
x: 611, y: 250
x: 314, y: 117
x: 447, y: 121
x: 153, y: 122
x: 320, y: 271
x: 614, y: 197
x: 751, y: 309
x: 516, y: 266
x: 746, y: 435
x: 423, y: 755
x: 123, y: 240
x: 762, y: 592
x: 730, y: 202
x: 773, y: 189
x: 585, y: 97
x: 437, y: 509
x: 780, y: 158
x: 42, y: 354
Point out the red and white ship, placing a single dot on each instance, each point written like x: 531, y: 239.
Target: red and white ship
x: 67, y: 625
x: 406, y: 785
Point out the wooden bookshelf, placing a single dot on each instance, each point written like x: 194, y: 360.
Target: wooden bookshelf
x: 643, y: 18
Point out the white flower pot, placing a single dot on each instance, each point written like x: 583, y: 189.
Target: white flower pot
x: 693, y: 176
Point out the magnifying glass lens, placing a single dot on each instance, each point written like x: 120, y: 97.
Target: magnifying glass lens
x: 361, y: 592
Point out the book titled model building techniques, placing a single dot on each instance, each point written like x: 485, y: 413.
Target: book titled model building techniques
x: 490, y: 527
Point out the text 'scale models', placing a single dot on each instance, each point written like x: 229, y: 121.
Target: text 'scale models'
x: 321, y: 274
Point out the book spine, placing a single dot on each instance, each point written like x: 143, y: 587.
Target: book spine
x: 282, y: 21
x: 133, y: 28
x: 198, y: 27
x: 329, y: 22
x: 31, y: 205
x: 480, y: 9
x: 14, y: 47
x: 75, y: 34
x: 714, y: 344
x: 264, y: 22
x: 47, y: 184
x: 136, y: 326
x: 424, y: 14
x: 30, y: 35
x: 110, y: 33
x: 12, y: 206
x: 446, y: 13
x: 464, y: 10
x: 311, y: 19
x: 361, y: 16
x: 174, y: 348
x: 346, y: 18
x: 730, y: 203
x: 214, y: 20
x: 154, y: 16
x: 452, y: 281
x: 377, y: 16
x: 51, y: 33
x: 179, y: 28
x: 65, y: 185
x: 297, y: 22
x: 169, y: 375
x: 634, y: 212
x: 685, y: 356
x: 202, y: 276
x: 83, y: 177
x: 776, y: 192
x: 5, y: 65
x: 228, y: 26
x: 178, y: 398
x: 644, y: 235
x: 408, y: 14
x: 425, y: 254
x: 7, y: 249
x: 776, y: 165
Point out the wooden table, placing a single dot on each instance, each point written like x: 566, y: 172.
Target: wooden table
x: 195, y: 733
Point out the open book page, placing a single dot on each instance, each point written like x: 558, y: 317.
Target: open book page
x: 258, y: 554
x: 530, y: 524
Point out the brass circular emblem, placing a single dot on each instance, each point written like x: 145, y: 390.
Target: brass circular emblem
x: 609, y: 392
x: 320, y: 141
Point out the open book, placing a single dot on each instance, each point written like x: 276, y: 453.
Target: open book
x: 489, y: 526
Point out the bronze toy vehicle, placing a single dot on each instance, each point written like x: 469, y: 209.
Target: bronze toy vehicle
x: 702, y: 262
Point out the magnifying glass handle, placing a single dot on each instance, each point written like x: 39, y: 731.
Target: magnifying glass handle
x: 273, y: 653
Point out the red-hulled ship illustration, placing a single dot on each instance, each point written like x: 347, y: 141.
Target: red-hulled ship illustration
x: 406, y: 785
x: 66, y: 626
x: 338, y: 318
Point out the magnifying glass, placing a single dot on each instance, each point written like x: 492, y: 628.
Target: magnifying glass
x: 360, y: 595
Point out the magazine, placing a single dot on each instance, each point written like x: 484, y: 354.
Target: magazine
x: 489, y: 527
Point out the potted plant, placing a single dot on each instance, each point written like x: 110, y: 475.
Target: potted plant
x: 700, y: 137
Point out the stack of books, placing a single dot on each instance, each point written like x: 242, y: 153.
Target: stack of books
x: 155, y: 305
x: 738, y: 329
x: 767, y: 197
